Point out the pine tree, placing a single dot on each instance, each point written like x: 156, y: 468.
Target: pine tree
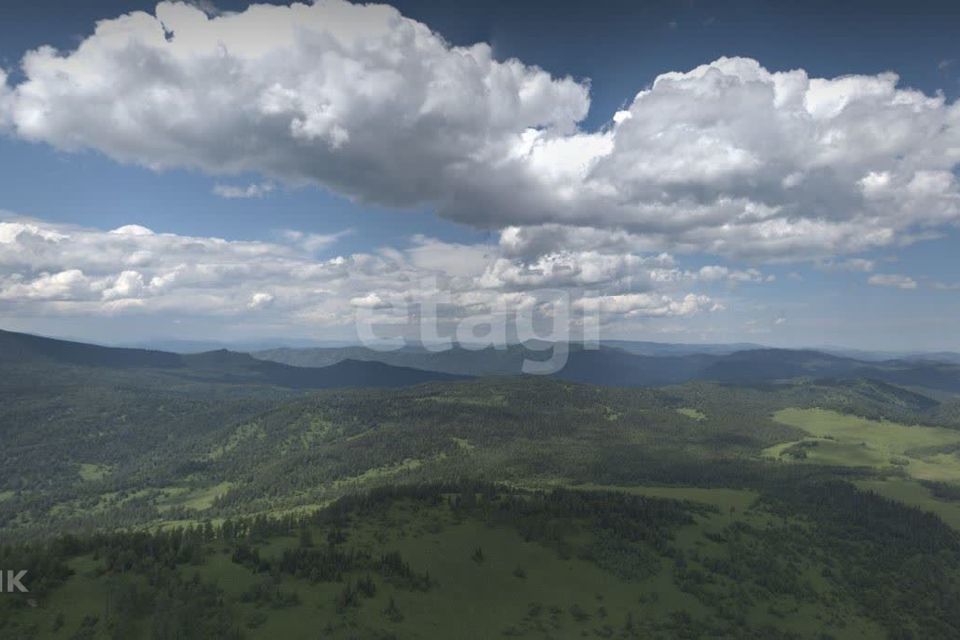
x: 393, y: 611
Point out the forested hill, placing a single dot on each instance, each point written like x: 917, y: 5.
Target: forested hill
x: 620, y: 368
x: 358, y: 366
x: 86, y: 448
x: 20, y: 349
x: 24, y: 347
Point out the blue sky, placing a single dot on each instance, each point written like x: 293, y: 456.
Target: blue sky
x: 881, y: 278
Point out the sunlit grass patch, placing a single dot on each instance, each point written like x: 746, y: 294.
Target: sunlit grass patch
x: 914, y: 494
x: 92, y: 472
x: 845, y: 440
x: 690, y: 412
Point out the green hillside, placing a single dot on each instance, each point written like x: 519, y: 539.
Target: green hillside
x: 150, y: 502
x: 103, y: 449
x: 476, y: 561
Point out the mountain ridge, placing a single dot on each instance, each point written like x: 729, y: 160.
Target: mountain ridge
x: 608, y: 365
x: 220, y: 365
x: 612, y: 365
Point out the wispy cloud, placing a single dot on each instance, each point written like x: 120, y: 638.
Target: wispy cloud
x: 854, y: 265
x: 946, y: 286
x: 253, y: 190
x: 313, y: 241
x: 892, y: 280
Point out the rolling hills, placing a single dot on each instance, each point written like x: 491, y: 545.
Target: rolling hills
x: 627, y: 364
x: 163, y: 495
x: 18, y: 349
x: 156, y: 437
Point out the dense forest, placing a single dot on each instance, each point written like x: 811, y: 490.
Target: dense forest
x: 818, y: 559
x: 205, y: 500
x: 94, y: 448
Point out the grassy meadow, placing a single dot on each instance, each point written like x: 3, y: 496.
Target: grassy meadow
x: 836, y: 439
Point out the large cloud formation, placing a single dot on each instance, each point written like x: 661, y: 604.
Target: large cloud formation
x: 728, y: 158
x: 356, y: 98
x: 65, y: 270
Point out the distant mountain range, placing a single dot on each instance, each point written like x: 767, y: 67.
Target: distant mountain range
x: 620, y: 363
x: 244, y: 346
x: 639, y: 347
x: 212, y: 366
x: 615, y: 363
x: 488, y: 361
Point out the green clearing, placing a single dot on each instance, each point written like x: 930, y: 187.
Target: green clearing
x: 83, y: 593
x: 6, y: 495
x: 240, y: 435
x: 846, y: 440
x: 914, y: 494
x: 378, y: 473
x: 492, y: 400
x: 92, y: 472
x: 196, y: 499
x: 463, y: 444
x: 486, y: 599
x: 690, y: 412
x: 892, y: 437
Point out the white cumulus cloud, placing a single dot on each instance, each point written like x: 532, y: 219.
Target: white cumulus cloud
x: 727, y: 158
x: 52, y: 269
x: 892, y: 280
x: 353, y: 97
